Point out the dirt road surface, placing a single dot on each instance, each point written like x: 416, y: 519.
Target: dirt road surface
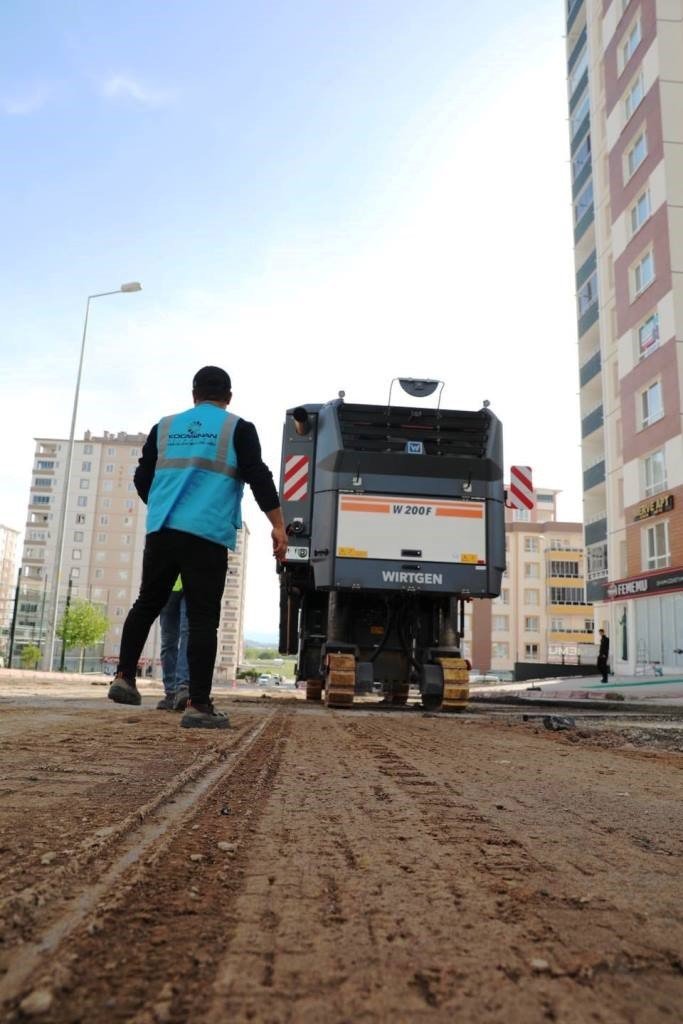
x: 311, y: 865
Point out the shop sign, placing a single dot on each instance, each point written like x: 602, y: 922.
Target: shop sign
x: 637, y: 586
x: 655, y: 507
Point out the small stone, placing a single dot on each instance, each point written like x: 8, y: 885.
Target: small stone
x: 196, y: 857
x: 540, y: 966
x: 195, y: 828
x: 226, y: 847
x: 47, y: 858
x: 37, y: 1002
x: 162, y: 1012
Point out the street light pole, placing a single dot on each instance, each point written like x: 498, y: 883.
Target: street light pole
x: 131, y: 286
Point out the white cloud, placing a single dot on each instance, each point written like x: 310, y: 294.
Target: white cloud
x: 20, y: 104
x: 128, y: 88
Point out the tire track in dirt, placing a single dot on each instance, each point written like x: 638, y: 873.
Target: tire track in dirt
x: 418, y: 903
x: 134, y: 847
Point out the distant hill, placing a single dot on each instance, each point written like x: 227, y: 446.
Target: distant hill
x: 261, y: 640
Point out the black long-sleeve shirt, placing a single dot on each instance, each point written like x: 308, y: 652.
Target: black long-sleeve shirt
x: 252, y: 468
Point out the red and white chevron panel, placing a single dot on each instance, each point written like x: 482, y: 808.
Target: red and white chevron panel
x: 521, y: 492
x: 295, y: 483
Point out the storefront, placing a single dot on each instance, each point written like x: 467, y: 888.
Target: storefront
x: 645, y: 615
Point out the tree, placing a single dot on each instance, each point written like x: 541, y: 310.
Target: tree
x: 82, y: 625
x: 30, y: 656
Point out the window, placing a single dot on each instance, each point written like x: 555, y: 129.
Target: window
x: 579, y: 113
x: 583, y: 201
x: 80, y: 519
x: 86, y: 467
x: 651, y: 405
x: 643, y: 273
x: 87, y: 449
x: 82, y: 501
x: 567, y: 595
x: 628, y: 47
x: 44, y: 464
x: 99, y: 556
x: 500, y: 623
x: 135, y: 452
x: 521, y: 515
x: 640, y: 211
x: 576, y: 73
x: 648, y: 335
x: 124, y: 556
x: 99, y: 573
x: 109, y: 468
x: 531, y: 652
x: 657, y: 546
x: 531, y: 544
x: 581, y: 157
x: 106, y: 502
x: 567, y: 569
x: 127, y: 520
x: 78, y: 536
x: 84, y: 484
x: 102, y: 537
x: 111, y: 451
x: 500, y: 650
x: 505, y: 596
x: 654, y: 473
x: 123, y: 574
x: 532, y: 623
x: 118, y: 612
x: 126, y: 539
x: 587, y: 294
x: 636, y: 154
x: 634, y: 96
x: 129, y: 505
x: 76, y: 555
x: 531, y: 597
x: 41, y: 481
x: 107, y: 485
x: 532, y: 570
x: 588, y: 626
x: 557, y: 625
x: 75, y: 573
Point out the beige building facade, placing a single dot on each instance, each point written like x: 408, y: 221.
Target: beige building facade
x: 542, y: 615
x: 104, y: 540
x: 625, y: 95
x: 9, y: 548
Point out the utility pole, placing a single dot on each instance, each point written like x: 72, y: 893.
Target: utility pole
x: 14, y: 620
x: 66, y: 616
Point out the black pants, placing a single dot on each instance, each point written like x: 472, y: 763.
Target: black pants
x: 203, y: 566
x: 602, y: 665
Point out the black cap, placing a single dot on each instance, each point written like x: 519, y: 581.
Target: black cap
x: 211, y: 378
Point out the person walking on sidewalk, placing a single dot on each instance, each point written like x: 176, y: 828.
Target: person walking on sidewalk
x: 191, y: 474
x: 173, y: 653
x: 603, y: 655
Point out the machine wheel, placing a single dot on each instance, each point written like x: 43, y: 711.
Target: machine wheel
x: 340, y: 680
x: 456, y: 683
x: 314, y: 689
x: 431, y: 701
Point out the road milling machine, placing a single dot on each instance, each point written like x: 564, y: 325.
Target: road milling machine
x: 395, y: 518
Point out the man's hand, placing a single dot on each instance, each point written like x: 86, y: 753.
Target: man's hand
x: 279, y: 542
x: 278, y: 533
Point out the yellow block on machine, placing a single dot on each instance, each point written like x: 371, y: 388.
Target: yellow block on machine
x: 351, y: 553
x: 456, y: 683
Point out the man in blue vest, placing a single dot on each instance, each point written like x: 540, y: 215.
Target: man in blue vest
x: 191, y: 475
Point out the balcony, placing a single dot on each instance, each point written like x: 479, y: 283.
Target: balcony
x: 595, y: 589
x: 590, y: 369
x: 590, y: 315
x: 594, y: 475
x: 596, y: 530
x: 572, y: 14
x: 582, y: 226
x: 592, y: 422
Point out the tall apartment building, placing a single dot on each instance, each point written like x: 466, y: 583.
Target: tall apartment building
x: 9, y: 539
x: 543, y: 614
x: 625, y: 92
x: 104, y: 540
x: 231, y: 629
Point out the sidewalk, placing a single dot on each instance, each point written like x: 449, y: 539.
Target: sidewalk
x: 662, y: 689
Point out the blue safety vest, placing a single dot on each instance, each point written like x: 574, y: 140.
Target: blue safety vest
x: 196, y: 486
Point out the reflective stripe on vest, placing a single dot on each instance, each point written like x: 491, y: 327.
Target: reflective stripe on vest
x: 217, y: 465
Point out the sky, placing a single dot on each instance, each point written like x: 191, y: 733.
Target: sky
x: 315, y: 194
